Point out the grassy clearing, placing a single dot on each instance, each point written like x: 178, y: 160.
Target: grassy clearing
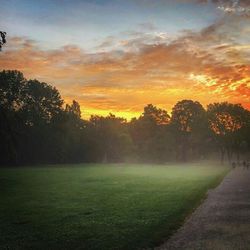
x: 98, y: 206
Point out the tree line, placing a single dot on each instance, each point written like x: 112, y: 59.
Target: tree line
x: 37, y: 128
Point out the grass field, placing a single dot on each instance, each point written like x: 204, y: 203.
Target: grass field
x: 98, y: 206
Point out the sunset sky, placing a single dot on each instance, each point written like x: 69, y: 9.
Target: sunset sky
x: 119, y: 55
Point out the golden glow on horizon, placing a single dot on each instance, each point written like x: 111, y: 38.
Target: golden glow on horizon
x: 128, y: 115
x: 120, y: 69
x: 123, y: 85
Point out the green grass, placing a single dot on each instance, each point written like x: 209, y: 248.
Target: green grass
x: 98, y: 206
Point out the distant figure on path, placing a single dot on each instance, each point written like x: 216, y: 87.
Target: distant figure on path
x: 233, y: 164
x: 248, y: 165
x: 244, y: 164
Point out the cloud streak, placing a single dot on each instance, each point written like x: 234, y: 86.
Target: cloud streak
x: 209, y: 65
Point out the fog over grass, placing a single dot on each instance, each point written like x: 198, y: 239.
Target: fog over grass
x: 93, y: 206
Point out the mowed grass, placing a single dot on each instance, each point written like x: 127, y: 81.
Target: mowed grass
x: 99, y: 206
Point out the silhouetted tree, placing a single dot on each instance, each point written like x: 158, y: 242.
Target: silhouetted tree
x: 112, y: 138
x: 187, y: 122
x: 27, y: 108
x: 149, y: 133
x: 12, y: 84
x: 36, y: 127
x: 2, y: 39
x: 75, y: 137
x: 229, y: 124
x: 74, y: 109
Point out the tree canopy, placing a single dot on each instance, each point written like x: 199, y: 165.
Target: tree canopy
x: 36, y: 126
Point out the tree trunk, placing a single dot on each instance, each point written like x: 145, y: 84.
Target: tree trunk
x: 222, y: 150
x: 105, y: 158
x: 184, y: 152
x: 229, y: 155
x: 238, y: 155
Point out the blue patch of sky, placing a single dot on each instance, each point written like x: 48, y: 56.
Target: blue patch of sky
x: 55, y: 23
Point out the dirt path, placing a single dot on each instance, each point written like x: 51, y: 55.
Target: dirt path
x: 222, y: 222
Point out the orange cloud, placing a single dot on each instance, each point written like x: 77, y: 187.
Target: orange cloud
x: 208, y: 66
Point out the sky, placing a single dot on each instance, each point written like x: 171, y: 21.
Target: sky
x: 120, y: 55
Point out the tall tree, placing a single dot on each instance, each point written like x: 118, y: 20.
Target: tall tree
x: 12, y: 84
x: 42, y: 102
x: 112, y: 138
x: 229, y: 123
x: 74, y: 109
x: 188, y: 121
x: 2, y: 39
x: 74, y: 130
x: 149, y: 133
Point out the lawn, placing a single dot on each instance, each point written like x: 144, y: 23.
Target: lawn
x: 99, y: 206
